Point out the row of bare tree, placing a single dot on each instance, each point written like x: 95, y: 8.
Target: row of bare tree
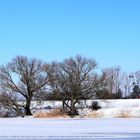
x: 72, y: 80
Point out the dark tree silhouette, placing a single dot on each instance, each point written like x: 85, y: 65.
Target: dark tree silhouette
x: 23, y: 78
x: 75, y: 79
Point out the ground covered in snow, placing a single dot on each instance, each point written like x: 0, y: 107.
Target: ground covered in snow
x: 120, y: 108
x: 69, y: 129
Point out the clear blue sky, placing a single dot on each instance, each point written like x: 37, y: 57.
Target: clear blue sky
x: 107, y: 30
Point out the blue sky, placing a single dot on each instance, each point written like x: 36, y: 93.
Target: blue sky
x: 107, y: 30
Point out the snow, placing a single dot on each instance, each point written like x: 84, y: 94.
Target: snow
x: 114, y: 108
x: 133, y: 112
x: 38, y: 129
x: 110, y: 108
x: 106, y: 127
x: 104, y: 103
x: 116, y: 103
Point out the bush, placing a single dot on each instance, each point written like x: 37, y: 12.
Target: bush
x: 95, y: 114
x: 56, y: 113
x: 95, y: 105
x: 124, y: 114
x: 7, y: 113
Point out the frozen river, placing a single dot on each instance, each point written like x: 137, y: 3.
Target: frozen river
x: 69, y: 129
x: 93, y: 137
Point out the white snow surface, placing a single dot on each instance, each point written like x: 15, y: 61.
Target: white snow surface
x: 106, y: 127
x: 32, y: 128
x: 104, y: 103
x: 110, y: 108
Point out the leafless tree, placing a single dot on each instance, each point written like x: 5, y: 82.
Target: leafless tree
x: 22, y: 78
x: 75, y: 79
x: 118, y: 82
x: 114, y: 78
x: 9, y: 106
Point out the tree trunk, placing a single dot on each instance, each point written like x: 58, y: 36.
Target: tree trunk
x: 27, y: 108
x: 73, y: 111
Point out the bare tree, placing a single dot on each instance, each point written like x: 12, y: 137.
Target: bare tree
x: 118, y: 83
x: 22, y: 79
x: 114, y: 78
x: 10, y: 106
x: 75, y: 79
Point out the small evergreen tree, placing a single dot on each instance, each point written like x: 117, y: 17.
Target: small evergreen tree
x: 136, y: 92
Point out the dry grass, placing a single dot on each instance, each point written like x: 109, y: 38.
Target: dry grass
x: 56, y: 113
x: 124, y: 114
x: 95, y: 114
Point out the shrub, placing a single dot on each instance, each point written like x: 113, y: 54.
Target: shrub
x: 56, y: 113
x: 95, y: 105
x: 124, y: 114
x: 95, y: 114
x: 7, y: 112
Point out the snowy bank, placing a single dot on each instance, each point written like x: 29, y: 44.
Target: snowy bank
x: 104, y: 103
x: 121, y: 108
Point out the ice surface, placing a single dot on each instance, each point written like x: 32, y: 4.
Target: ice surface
x: 66, y: 129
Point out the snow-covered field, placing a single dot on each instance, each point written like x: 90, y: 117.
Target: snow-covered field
x: 69, y: 129
x: 105, y: 127
x: 119, y: 108
x: 110, y: 108
x: 104, y: 103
